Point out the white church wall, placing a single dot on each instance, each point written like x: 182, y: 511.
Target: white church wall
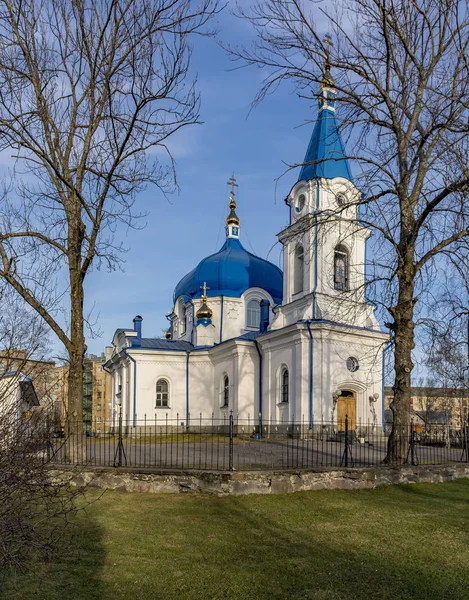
x: 333, y: 190
x: 237, y: 361
x: 233, y: 318
x: 223, y: 365
x: 151, y: 368
x: 201, y: 393
x: 284, y: 349
x: 205, y: 335
x: 352, y: 237
x: 121, y: 385
x: 331, y: 347
x: 127, y: 398
x: 247, y: 400
x: 331, y: 351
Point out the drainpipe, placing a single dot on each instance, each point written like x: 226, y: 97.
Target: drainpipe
x: 311, y: 351
x: 221, y: 320
x: 135, y: 385
x: 187, y: 389
x: 382, y: 383
x: 260, y: 384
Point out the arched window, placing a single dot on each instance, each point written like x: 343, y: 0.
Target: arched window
x: 284, y: 383
x: 226, y: 390
x: 341, y: 268
x: 298, y: 270
x: 162, y: 393
x: 253, y: 314
x: 300, y: 203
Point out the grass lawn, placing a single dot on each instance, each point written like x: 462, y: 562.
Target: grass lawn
x: 394, y: 542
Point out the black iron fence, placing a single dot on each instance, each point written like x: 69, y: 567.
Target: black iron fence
x: 231, y: 444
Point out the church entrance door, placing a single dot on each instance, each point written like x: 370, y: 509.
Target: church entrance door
x: 346, y: 406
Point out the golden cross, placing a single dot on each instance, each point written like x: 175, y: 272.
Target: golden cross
x: 232, y: 182
x: 205, y: 288
x: 327, y: 77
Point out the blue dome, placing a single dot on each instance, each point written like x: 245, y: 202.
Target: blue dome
x: 230, y: 272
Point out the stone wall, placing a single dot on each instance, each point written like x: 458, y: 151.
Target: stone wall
x: 273, y: 482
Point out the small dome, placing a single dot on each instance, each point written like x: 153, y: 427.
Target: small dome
x: 230, y: 272
x: 204, y: 312
x: 232, y: 218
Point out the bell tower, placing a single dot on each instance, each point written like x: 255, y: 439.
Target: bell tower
x: 324, y: 245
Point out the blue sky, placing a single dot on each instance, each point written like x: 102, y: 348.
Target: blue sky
x: 179, y: 234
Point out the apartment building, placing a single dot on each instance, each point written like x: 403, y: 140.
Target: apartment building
x: 437, y: 406
x: 96, y: 394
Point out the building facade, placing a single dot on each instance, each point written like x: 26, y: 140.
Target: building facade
x: 96, y: 393
x: 302, y: 344
x: 436, y: 406
x: 42, y: 374
x: 100, y: 397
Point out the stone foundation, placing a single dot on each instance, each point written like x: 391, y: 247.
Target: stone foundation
x: 251, y: 482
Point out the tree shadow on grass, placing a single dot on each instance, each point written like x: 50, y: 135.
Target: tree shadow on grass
x: 440, y: 494
x: 73, y: 571
x: 246, y: 553
x: 306, y: 546
x: 453, y: 497
x: 342, y: 563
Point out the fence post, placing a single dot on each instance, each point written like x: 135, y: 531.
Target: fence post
x: 412, y: 443
x: 346, y: 441
x: 230, y: 455
x: 48, y: 438
x: 466, y: 440
x: 120, y: 443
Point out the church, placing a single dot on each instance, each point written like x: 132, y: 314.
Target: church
x: 299, y: 345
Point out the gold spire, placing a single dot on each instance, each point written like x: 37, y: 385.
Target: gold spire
x: 167, y: 334
x: 327, y: 80
x: 232, y: 218
x: 204, y: 311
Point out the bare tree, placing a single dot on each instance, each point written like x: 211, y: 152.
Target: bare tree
x: 447, y: 359
x: 91, y: 91
x: 34, y: 507
x: 402, y: 79
x: 445, y: 331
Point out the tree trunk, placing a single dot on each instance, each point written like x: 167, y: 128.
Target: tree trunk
x: 401, y: 405
x: 76, y: 443
x: 75, y: 447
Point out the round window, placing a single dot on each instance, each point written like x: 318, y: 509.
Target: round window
x: 341, y: 199
x: 300, y: 203
x: 352, y: 364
